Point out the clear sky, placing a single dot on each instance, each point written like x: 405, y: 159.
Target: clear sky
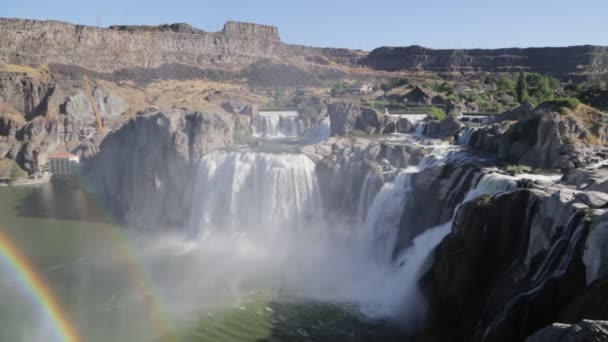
x: 354, y: 23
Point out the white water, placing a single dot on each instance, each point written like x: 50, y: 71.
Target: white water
x: 465, y: 136
x: 420, y: 128
x: 275, y: 125
x: 259, y: 225
x: 242, y: 191
x: 491, y: 183
x: 257, y: 218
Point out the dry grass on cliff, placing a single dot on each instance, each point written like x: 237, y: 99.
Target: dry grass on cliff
x: 193, y: 94
x: 590, y: 117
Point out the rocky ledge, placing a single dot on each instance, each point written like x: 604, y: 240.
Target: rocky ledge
x: 550, y: 136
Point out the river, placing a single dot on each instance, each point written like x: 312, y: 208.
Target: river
x: 124, y: 285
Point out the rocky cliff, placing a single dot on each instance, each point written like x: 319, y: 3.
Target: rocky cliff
x: 33, y: 43
x: 549, y: 136
x: 144, y: 170
x: 556, y: 61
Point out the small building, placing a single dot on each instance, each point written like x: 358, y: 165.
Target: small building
x: 64, y: 163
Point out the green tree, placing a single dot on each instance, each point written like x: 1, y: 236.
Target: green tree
x: 505, y: 84
x: 522, y: 89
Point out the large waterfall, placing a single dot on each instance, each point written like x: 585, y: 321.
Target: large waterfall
x: 260, y: 215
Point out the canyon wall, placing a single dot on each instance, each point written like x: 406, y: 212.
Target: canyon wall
x: 557, y: 61
x: 32, y: 42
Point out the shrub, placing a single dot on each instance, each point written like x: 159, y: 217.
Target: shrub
x: 563, y: 103
x: 516, y: 168
x: 394, y: 83
x: 437, y: 114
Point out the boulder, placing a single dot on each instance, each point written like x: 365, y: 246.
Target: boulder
x: 345, y: 118
x: 444, y: 129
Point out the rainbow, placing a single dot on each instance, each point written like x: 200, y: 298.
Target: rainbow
x: 38, y: 288
x: 137, y: 277
x: 35, y: 284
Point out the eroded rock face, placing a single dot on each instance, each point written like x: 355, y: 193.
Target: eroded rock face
x: 28, y: 95
x: 129, y: 47
x: 555, y: 61
x: 145, y: 168
x: 343, y: 166
x: 109, y: 105
x: 517, y: 262
x: 546, y: 138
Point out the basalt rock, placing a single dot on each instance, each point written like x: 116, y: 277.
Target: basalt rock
x: 346, y: 118
x: 28, y: 95
x: 517, y: 262
x: 444, y: 129
x: 144, y: 170
x: 109, y: 105
x: 546, y: 138
x: 560, y: 61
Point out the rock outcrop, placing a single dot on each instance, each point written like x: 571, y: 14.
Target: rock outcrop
x: 144, y: 170
x: 513, y: 262
x: 548, y: 137
x: 346, y: 118
x: 110, y: 106
x: 26, y: 94
x: 444, y: 129
x: 128, y: 47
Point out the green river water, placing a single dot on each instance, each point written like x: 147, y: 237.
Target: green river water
x: 75, y: 248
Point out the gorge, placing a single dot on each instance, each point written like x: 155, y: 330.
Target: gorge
x: 240, y: 191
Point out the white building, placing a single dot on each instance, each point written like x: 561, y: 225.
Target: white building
x: 64, y: 163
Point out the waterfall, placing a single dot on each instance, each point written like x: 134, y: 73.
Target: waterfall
x: 274, y: 125
x: 370, y: 187
x: 246, y: 191
x: 491, y: 183
x: 261, y: 214
x: 420, y: 128
x: 381, y: 226
x: 465, y: 136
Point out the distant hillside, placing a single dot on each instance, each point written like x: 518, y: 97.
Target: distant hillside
x: 562, y: 62
x: 240, y: 45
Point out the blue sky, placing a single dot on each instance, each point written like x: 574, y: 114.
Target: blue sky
x: 356, y: 24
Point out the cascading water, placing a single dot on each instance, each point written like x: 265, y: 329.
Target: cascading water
x: 275, y: 125
x: 243, y: 191
x: 465, y: 137
x: 260, y: 216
